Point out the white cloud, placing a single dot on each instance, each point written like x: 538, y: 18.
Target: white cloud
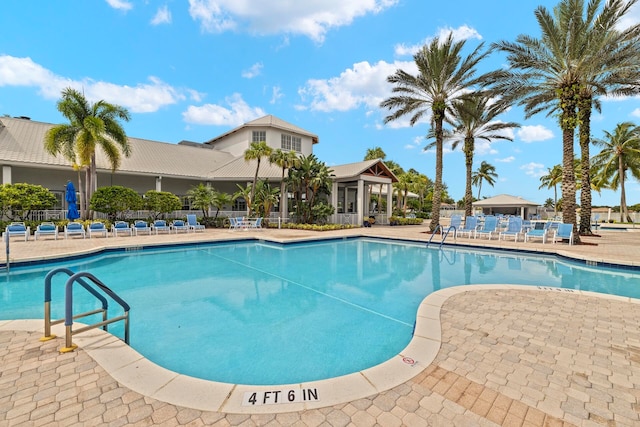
x: 631, y: 18
x: 253, y: 71
x: 142, y: 98
x: 362, y: 85
x: 636, y: 112
x: 506, y: 159
x: 533, y: 169
x: 534, y: 133
x: 312, y: 19
x: 120, y: 4
x: 237, y: 113
x: 163, y: 16
x: 276, y: 94
x: 461, y: 33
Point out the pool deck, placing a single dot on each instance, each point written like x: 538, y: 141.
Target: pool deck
x: 490, y: 355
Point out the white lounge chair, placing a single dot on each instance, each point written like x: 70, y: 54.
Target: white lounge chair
x: 514, y: 228
x: 488, y: 228
x: 564, y: 232
x: 74, y: 229
x: 160, y: 225
x: 17, y: 229
x: 97, y: 228
x: 179, y: 225
x: 538, y: 231
x: 193, y: 223
x: 140, y: 226
x: 470, y: 225
x: 46, y: 229
x: 121, y: 227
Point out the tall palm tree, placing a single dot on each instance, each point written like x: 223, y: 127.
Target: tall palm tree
x: 90, y: 126
x: 256, y: 151
x: 620, y: 153
x: 286, y: 160
x: 474, y: 118
x: 443, y: 77
x: 372, y: 154
x: 486, y: 172
x: 551, y: 180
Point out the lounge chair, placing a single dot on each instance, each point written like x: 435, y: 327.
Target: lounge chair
x: 537, y: 231
x: 74, y: 229
x: 97, y: 228
x: 193, y: 223
x: 563, y: 232
x: 46, y: 229
x: 470, y: 225
x: 256, y: 225
x: 179, y: 225
x: 488, y: 228
x: 121, y: 227
x: 17, y: 229
x: 160, y: 225
x: 514, y: 228
x: 140, y: 226
x: 456, y: 222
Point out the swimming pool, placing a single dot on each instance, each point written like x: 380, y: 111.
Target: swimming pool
x: 264, y: 313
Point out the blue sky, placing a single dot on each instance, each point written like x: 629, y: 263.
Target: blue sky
x: 192, y: 70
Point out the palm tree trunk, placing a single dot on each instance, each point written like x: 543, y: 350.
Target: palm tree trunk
x: 468, y: 161
x: 568, y: 120
x: 437, y: 185
x: 81, y: 191
x: 585, y: 191
x: 624, y: 215
x: 87, y: 199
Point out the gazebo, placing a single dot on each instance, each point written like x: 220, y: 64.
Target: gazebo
x: 506, y: 204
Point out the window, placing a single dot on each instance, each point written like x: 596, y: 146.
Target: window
x: 259, y: 136
x: 239, y: 205
x: 290, y: 142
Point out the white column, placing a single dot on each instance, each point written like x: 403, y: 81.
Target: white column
x: 389, y: 200
x: 360, y: 202
x: 158, y: 183
x: 6, y: 175
x: 334, y: 201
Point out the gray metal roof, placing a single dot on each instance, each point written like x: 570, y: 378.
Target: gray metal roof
x: 21, y: 142
x: 239, y: 169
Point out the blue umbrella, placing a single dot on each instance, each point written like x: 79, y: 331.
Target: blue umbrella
x: 70, y: 196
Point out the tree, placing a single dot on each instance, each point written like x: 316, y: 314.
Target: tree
x: 372, y: 154
x: 286, y: 160
x: 551, y: 180
x: 486, y: 172
x: 17, y: 201
x: 256, y: 151
x: 159, y: 203
x: 90, y: 126
x: 202, y: 197
x: 443, y: 77
x: 405, y: 182
x: 220, y: 200
x: 115, y: 201
x: 549, y: 203
x: 620, y: 153
x: 474, y: 118
x: 311, y: 182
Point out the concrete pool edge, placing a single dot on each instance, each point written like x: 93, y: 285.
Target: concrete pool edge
x: 141, y: 375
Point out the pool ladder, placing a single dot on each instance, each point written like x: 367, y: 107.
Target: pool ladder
x: 94, y: 288
x: 445, y: 233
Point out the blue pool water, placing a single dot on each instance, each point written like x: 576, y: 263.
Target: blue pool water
x: 262, y: 313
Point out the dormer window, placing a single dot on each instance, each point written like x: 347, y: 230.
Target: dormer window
x: 259, y: 136
x: 290, y: 142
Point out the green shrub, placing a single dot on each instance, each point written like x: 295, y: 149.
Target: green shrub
x: 115, y: 201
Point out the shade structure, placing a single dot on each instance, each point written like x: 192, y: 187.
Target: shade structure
x: 70, y: 197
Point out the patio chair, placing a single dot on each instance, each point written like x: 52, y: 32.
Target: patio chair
x: 563, y: 232
x: 97, y: 228
x: 17, y: 229
x: 470, y: 225
x: 74, y: 229
x: 514, y: 228
x: 160, y: 225
x: 193, y: 223
x: 121, y: 227
x: 235, y: 223
x: 539, y: 230
x: 456, y: 222
x: 179, y: 225
x: 140, y: 226
x: 256, y: 225
x: 46, y: 229
x: 488, y: 228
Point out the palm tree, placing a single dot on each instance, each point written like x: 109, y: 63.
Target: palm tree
x: 620, y: 153
x: 552, y: 179
x: 443, y: 77
x: 404, y: 184
x: 256, y: 151
x: 90, y: 125
x: 286, y: 160
x: 549, y: 203
x: 474, y: 118
x: 372, y: 154
x: 486, y: 172
x: 202, y: 197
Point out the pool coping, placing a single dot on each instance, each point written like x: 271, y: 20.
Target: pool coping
x: 143, y: 376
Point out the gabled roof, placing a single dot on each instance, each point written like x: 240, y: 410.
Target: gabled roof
x: 268, y: 121
x: 239, y: 169
x: 375, y: 167
x: 22, y: 141
x: 504, y: 200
